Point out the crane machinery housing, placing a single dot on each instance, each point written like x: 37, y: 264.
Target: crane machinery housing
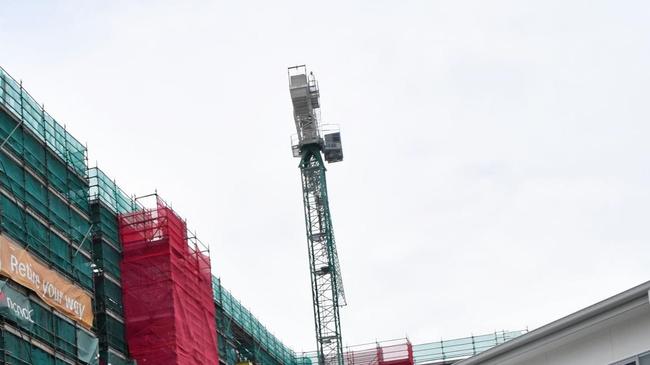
x: 311, y: 143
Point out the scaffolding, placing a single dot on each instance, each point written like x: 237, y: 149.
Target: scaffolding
x: 107, y: 200
x: 48, y: 338
x: 392, y: 352
x: 167, y: 286
x: 402, y: 352
x: 104, y: 189
x: 23, y: 106
x: 44, y: 207
x: 44, y: 191
x: 460, y: 348
x: 231, y: 313
x: 67, y: 215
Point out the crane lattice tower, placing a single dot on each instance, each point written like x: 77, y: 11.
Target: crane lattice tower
x: 311, y: 143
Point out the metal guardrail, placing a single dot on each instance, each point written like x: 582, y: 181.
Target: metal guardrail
x: 432, y: 352
x: 401, y: 351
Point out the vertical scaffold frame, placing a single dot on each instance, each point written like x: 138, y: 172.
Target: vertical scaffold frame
x: 167, y: 289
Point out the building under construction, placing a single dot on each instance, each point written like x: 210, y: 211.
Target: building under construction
x: 91, y: 275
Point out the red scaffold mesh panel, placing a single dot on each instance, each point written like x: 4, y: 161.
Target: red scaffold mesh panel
x: 361, y: 357
x: 167, y: 288
x: 395, y: 353
x: 398, y: 354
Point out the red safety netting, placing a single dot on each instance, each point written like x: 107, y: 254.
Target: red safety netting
x: 167, y: 288
x: 360, y: 357
x: 397, y: 352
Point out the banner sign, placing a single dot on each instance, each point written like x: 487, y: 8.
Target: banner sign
x: 20, y: 266
x: 15, y: 305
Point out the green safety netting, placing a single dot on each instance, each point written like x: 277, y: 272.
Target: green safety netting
x: 107, y: 258
x: 243, y: 318
x: 109, y: 294
x: 113, y: 329
x: 104, y: 189
x: 227, y: 351
x: 44, y: 169
x: 83, y: 271
x: 105, y: 222
x: 46, y: 244
x: 41, y: 124
x: 65, y: 336
x: 114, y: 359
x: 87, y: 347
x: 43, y: 323
x: 47, y: 326
x: 15, y: 350
x: 460, y: 348
x: 15, y: 305
x: 439, y: 352
x: 49, y: 202
x: 106, y: 201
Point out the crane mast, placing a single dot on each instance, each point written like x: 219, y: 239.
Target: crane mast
x: 311, y: 144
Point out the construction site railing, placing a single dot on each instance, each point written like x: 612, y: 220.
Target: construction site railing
x: 433, y: 352
x: 401, y: 351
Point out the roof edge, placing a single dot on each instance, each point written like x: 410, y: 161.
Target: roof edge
x: 561, y: 324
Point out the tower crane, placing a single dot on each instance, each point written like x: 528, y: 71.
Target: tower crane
x: 311, y: 144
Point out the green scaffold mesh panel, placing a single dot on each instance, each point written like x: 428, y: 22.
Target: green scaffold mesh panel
x: 41, y: 124
x: 114, y: 330
x: 44, y: 243
x: 87, y: 347
x: 117, y: 360
x: 15, y: 350
x: 105, y: 222
x: 109, y: 295
x: 33, y: 203
x: 44, y: 165
x: 108, y: 258
x: 44, y: 205
x: 106, y: 201
x: 44, y: 323
x: 461, y: 347
x: 104, y: 189
x: 243, y: 318
x: 66, y: 337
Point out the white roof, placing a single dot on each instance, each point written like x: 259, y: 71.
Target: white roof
x: 632, y: 297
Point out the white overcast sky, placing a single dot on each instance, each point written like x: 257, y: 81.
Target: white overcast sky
x: 496, y: 152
